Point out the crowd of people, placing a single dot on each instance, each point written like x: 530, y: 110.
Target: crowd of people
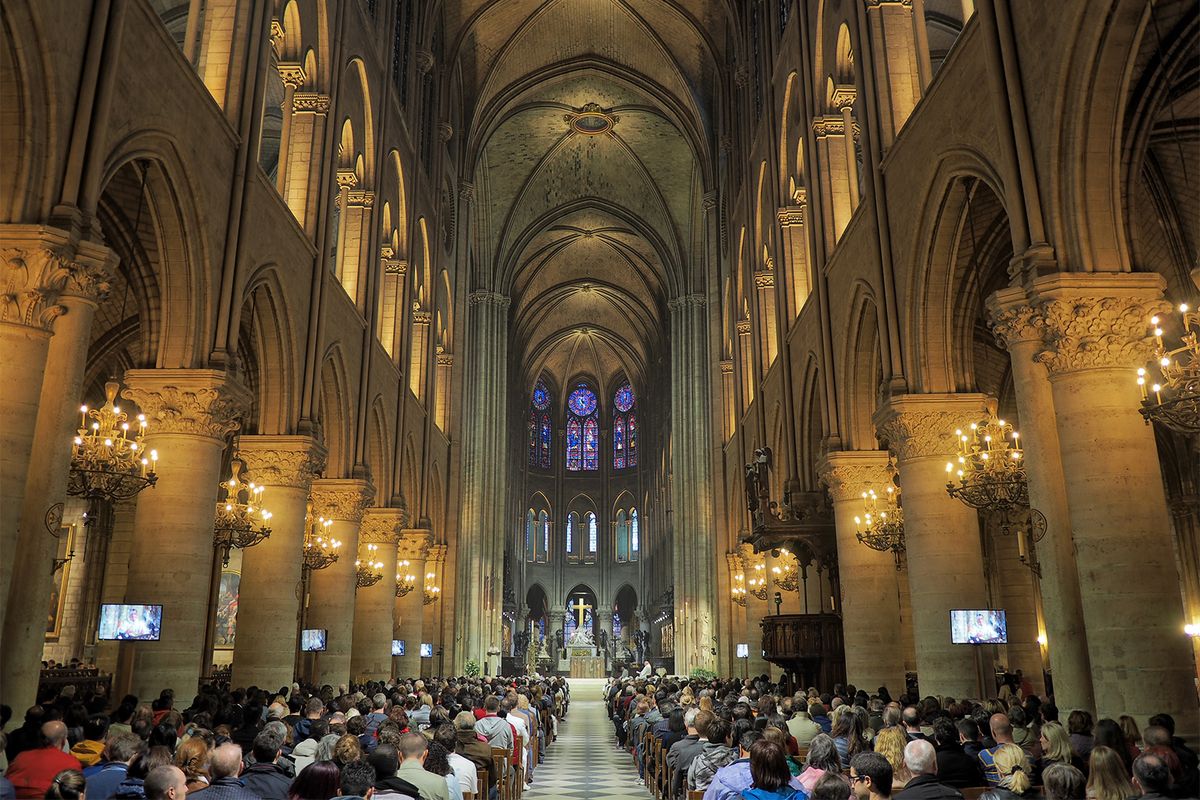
x: 428, y: 739
x: 748, y: 740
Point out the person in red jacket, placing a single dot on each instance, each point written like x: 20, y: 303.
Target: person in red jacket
x: 33, y: 771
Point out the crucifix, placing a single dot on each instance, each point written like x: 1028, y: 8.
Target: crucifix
x: 580, y: 607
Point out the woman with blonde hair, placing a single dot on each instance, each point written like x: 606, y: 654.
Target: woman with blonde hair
x: 1013, y: 769
x: 889, y: 743
x: 1056, y: 748
x: 1129, y: 727
x: 192, y: 758
x: 1108, y: 778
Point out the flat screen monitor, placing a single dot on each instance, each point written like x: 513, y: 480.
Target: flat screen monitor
x: 426, y: 650
x: 978, y: 626
x: 123, y: 622
x: 743, y: 651
x: 397, y: 647
x: 313, y: 640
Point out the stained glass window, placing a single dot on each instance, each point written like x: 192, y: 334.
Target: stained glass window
x: 635, y: 544
x: 541, y: 623
x: 624, y: 435
x: 593, y: 537
x: 570, y: 533
x: 583, y: 430
x: 541, y: 430
x: 616, y: 626
x: 545, y: 553
x: 622, y: 537
x: 529, y: 522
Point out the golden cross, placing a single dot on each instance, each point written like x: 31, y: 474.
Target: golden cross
x: 580, y: 607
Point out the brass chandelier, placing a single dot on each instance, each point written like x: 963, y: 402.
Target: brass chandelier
x: 241, y: 520
x: 369, y: 572
x: 988, y: 472
x: 433, y: 592
x: 405, y: 583
x: 881, y: 526
x: 786, y: 577
x: 757, y: 585
x: 738, y: 590
x: 109, y: 460
x: 1174, y: 397
x: 320, y: 548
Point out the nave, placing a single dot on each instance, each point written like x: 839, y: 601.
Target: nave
x: 583, y: 764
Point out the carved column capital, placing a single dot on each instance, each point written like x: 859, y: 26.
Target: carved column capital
x: 414, y: 544
x: 445, y: 131
x: 393, y: 266
x: 311, y: 102
x: 484, y: 297
x: 849, y: 473
x: 693, y: 300
x: 710, y: 200
x: 743, y: 326
x: 436, y: 554
x: 288, y: 461
x: 1013, y: 319
x: 828, y: 125
x: 35, y: 265
x: 843, y: 97
x: 192, y: 402
x: 1097, y: 321
x: 726, y: 366
x: 382, y: 525
x: 466, y: 192
x: 792, y: 215
x: 345, y: 499
x: 292, y: 75
x: 918, y: 426
x: 425, y: 61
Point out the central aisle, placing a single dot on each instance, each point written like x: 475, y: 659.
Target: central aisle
x: 585, y: 764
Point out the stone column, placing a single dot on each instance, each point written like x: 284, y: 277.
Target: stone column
x: 409, y: 611
x: 24, y: 633
x: 34, y: 272
x: 870, y: 601
x: 692, y: 485
x: 190, y: 414
x: 264, y: 648
x: 484, y: 521
x: 331, y: 590
x: 435, y: 562
x: 371, y: 658
x: 310, y: 116
x: 1096, y: 333
x: 945, y: 561
x: 1017, y: 328
x: 792, y: 221
x: 293, y: 78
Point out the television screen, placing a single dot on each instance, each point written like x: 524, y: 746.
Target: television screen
x: 978, y: 626
x: 426, y: 650
x: 743, y: 651
x: 312, y: 640
x: 397, y: 647
x: 119, y: 621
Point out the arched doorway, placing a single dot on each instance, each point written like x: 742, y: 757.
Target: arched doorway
x: 627, y: 625
x: 537, y: 613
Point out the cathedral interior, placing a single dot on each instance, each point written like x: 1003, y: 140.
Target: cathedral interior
x: 347, y: 339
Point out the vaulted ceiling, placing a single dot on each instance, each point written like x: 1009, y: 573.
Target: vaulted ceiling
x: 589, y: 134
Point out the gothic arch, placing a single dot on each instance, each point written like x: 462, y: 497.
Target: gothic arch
x: 264, y: 311
x: 863, y: 368
x: 378, y: 453
x: 29, y: 131
x: 335, y: 415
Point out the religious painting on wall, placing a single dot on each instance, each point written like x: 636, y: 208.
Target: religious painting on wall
x: 227, y: 604
x: 58, y: 591
x: 668, y: 640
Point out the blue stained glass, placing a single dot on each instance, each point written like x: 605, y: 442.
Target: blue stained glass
x: 541, y: 396
x: 631, y: 440
x: 616, y: 625
x: 570, y: 531
x: 544, y: 443
x: 634, y: 539
x: 591, y: 445
x: 574, y: 445
x: 542, y: 628
x: 624, y: 398
x: 619, y: 443
x: 592, y: 533
x: 582, y: 402
x: 533, y: 440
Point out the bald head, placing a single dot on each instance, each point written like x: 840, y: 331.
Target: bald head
x: 166, y: 783
x: 54, y: 733
x: 226, y: 761
x: 920, y: 758
x: 1001, y: 728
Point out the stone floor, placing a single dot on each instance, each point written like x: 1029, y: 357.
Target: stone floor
x: 585, y: 764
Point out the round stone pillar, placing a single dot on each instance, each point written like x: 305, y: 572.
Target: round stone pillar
x: 35, y: 271
x: 409, y: 611
x: 1017, y: 327
x: 1096, y: 334
x: 331, y: 590
x: 190, y: 415
x: 264, y: 647
x: 371, y: 658
x: 945, y: 560
x: 870, y: 601
x: 24, y: 631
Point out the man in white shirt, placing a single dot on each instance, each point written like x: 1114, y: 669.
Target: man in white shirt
x: 464, y: 769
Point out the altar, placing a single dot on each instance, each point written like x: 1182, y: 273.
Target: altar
x: 587, y: 667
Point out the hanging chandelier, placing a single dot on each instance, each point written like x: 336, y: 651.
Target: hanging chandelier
x: 881, y: 527
x: 405, y: 583
x: 757, y: 585
x: 1176, y: 391
x: 433, y: 592
x: 738, y: 590
x: 241, y: 520
x: 787, y: 577
x: 108, y: 460
x: 320, y: 549
x: 988, y: 473
x: 369, y: 572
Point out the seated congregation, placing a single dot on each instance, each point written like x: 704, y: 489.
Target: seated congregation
x: 752, y: 740
x: 433, y: 739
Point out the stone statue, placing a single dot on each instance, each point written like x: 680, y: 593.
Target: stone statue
x: 603, y: 638
x: 558, y: 641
